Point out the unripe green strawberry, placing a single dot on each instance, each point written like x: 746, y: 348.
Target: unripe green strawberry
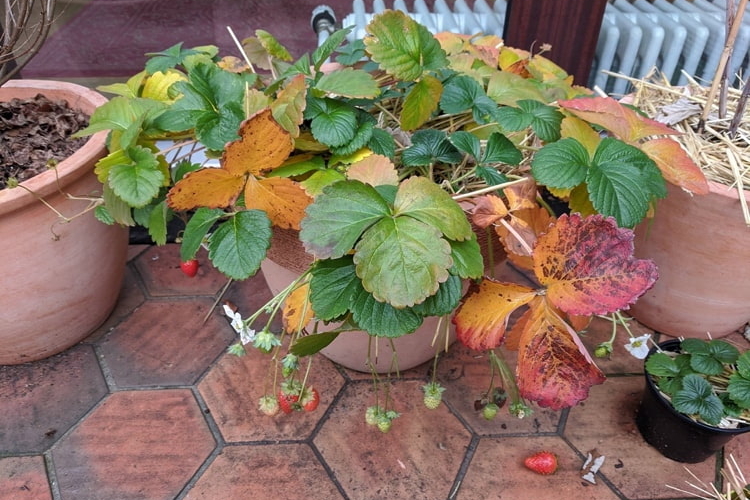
x: 490, y: 411
x: 384, y: 423
x: 433, y: 395
x: 269, y: 405
x: 372, y: 415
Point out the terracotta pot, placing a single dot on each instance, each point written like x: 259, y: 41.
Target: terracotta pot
x: 701, y: 245
x: 56, y: 290
x: 673, y: 434
x: 350, y: 348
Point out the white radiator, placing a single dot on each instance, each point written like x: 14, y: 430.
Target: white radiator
x: 636, y: 35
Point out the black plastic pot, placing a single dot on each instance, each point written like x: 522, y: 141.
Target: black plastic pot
x: 673, y: 434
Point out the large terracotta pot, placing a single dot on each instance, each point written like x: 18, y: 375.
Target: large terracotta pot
x: 56, y: 289
x: 701, y: 245
x: 287, y: 260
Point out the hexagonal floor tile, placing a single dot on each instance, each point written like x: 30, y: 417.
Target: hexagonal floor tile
x: 165, y: 343
x: 42, y: 400
x: 159, y: 266
x: 621, y: 361
x: 288, y: 471
x: 24, y: 478
x: 465, y: 374
x: 131, y: 296
x: 611, y: 430
x: 497, y: 471
x: 419, y: 458
x: 136, y: 445
x: 234, y: 385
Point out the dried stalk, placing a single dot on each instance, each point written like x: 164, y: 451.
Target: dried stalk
x: 25, y: 26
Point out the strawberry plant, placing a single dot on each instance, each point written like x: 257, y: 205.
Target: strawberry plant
x: 380, y: 164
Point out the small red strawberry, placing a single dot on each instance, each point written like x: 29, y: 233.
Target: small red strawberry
x: 543, y: 462
x: 287, y: 402
x: 310, y: 399
x: 190, y: 267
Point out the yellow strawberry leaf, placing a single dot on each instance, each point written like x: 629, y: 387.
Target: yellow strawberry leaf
x: 156, y: 86
x: 283, y: 200
x: 263, y: 145
x: 289, y: 105
x: 572, y: 126
x: 375, y: 170
x: 483, y: 315
x: 232, y: 64
x: 297, y: 311
x: 675, y: 165
x: 207, y: 187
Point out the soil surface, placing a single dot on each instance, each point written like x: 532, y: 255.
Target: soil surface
x: 35, y: 135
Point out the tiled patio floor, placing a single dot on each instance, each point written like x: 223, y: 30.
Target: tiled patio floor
x: 152, y: 407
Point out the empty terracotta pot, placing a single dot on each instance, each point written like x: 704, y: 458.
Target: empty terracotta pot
x: 701, y: 245
x: 59, y: 280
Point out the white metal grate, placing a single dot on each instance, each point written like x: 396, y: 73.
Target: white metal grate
x: 636, y: 35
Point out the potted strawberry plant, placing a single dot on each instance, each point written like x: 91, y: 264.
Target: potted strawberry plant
x: 697, y: 397
x: 376, y: 169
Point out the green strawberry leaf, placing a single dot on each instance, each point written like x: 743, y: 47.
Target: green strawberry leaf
x: 562, y: 165
x: 544, y: 120
x: 697, y: 398
x: 743, y: 365
x: 444, y: 301
x: 403, y: 47
x: 421, y: 102
x: 739, y: 390
x: 468, y: 143
x: 430, y: 146
x: 196, y: 229
x: 329, y: 46
x: 351, y: 53
x: 138, y: 180
x: 467, y: 258
x: 422, y: 199
x: 335, y: 122
x: 381, y: 319
x: 365, y: 126
x: 157, y: 223
x: 334, y: 282
x: 501, y: 150
x: 312, y: 344
x: 402, y: 261
x: 339, y: 215
x: 382, y: 143
x: 623, y: 181
x: 169, y: 58
x: 349, y: 82
x: 240, y: 243
x: 661, y: 364
x: 463, y: 93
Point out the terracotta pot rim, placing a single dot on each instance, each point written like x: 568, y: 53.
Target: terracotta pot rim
x: 67, y: 170
x: 725, y: 190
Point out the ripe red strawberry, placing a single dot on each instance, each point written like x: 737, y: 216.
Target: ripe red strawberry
x: 287, y: 402
x: 543, y: 462
x: 190, y: 267
x: 310, y: 399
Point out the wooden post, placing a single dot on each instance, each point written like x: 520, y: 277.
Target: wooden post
x: 571, y: 27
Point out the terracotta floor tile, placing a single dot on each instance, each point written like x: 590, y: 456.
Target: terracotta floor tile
x: 285, y: 471
x: 165, y: 343
x: 131, y: 296
x: 419, y: 458
x: 606, y: 423
x: 141, y: 445
x: 235, y: 384
x: 159, y: 266
x: 42, y: 400
x: 465, y: 374
x: 621, y: 361
x: 24, y: 478
x: 497, y: 472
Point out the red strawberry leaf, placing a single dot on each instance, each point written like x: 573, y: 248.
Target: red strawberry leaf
x: 587, y: 266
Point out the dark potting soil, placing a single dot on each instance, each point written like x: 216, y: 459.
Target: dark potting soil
x: 35, y: 135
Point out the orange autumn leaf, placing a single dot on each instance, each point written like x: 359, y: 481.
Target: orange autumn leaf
x: 297, y: 311
x: 527, y: 224
x: 483, y: 316
x: 375, y: 170
x: 676, y: 165
x: 207, y: 187
x: 283, y: 200
x: 488, y: 210
x: 263, y: 145
x: 554, y: 368
x: 622, y: 121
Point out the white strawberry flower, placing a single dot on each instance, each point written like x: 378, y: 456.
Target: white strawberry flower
x: 638, y: 346
x: 247, y: 334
